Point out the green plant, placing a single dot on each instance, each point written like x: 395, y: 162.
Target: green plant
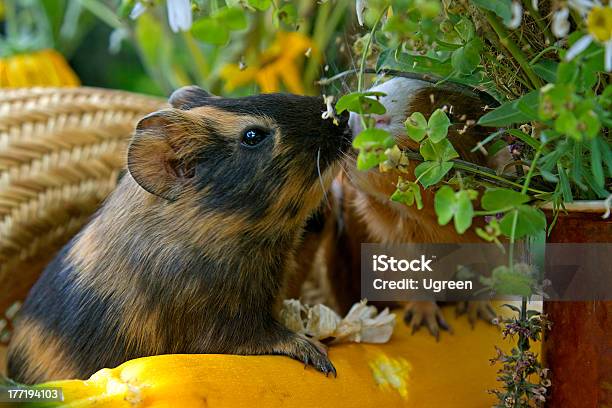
x: 227, y: 46
x: 553, y: 115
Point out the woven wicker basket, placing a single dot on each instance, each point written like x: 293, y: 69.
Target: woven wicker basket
x: 61, y: 151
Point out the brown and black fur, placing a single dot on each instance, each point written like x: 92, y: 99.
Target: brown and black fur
x: 192, y: 251
x: 364, y: 213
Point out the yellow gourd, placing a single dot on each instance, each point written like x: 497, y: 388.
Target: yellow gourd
x: 409, y: 371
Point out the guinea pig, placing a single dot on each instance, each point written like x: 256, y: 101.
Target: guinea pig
x: 364, y: 212
x: 191, y: 252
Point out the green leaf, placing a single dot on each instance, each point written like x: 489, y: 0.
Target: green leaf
x: 564, y: 184
x: 529, y: 221
x: 368, y: 159
x: 416, y: 190
x: 416, y: 126
x: 567, y: 124
x: 606, y: 97
x: 155, y: 46
x: 438, y: 125
x: 503, y: 8
x: 606, y: 153
x: 408, y: 193
x: 464, y: 211
x: 596, y: 165
x: 444, y: 202
x: 441, y: 151
x: 466, y: 59
x: 373, y: 138
x: 349, y: 102
x: 372, y: 106
x: 525, y: 138
x: 509, y: 113
x: 260, y: 4
x: 287, y: 14
x: 554, y: 100
x: 428, y: 8
x: 529, y: 104
x: 449, y: 204
x: 511, y: 282
x: 361, y: 102
x: 404, y: 197
x: 210, y: 30
x: 495, y: 199
x: 547, y: 70
x: 465, y: 29
x: 590, y: 123
x: 567, y: 73
x: 235, y: 18
x: 430, y: 173
x: 416, y: 63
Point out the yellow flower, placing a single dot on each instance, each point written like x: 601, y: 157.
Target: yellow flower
x: 40, y: 68
x: 391, y: 373
x: 599, y: 23
x: 281, y: 62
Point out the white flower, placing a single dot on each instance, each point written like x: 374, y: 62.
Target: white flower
x: 579, y: 46
x: 560, y: 23
x: 583, y: 6
x: 179, y: 15
x: 534, y: 4
x: 360, y: 6
x: 517, y: 15
x: 137, y: 11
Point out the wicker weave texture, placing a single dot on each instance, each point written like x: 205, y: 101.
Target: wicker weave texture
x: 61, y: 151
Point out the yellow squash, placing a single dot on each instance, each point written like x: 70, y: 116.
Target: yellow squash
x: 409, y: 371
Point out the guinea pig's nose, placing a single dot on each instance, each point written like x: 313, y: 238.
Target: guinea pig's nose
x: 343, y: 118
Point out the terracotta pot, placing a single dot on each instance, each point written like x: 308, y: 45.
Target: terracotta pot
x: 578, y: 349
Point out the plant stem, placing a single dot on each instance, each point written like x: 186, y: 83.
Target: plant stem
x: 532, y: 168
x: 103, y: 12
x: 201, y: 67
x: 523, y: 342
x: 511, y: 46
x: 320, y: 26
x: 541, y: 53
x: 321, y: 37
x: 367, y: 49
x: 482, y: 171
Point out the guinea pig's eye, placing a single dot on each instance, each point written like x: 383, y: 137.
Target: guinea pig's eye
x: 254, y: 136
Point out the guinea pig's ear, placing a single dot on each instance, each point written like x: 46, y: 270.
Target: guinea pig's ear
x: 153, y: 159
x: 189, y: 97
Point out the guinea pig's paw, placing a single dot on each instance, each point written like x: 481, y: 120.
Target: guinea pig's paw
x: 417, y: 314
x: 477, y: 309
x: 308, y: 351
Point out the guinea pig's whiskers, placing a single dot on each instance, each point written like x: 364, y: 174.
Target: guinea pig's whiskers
x: 321, y: 178
x: 346, y: 172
